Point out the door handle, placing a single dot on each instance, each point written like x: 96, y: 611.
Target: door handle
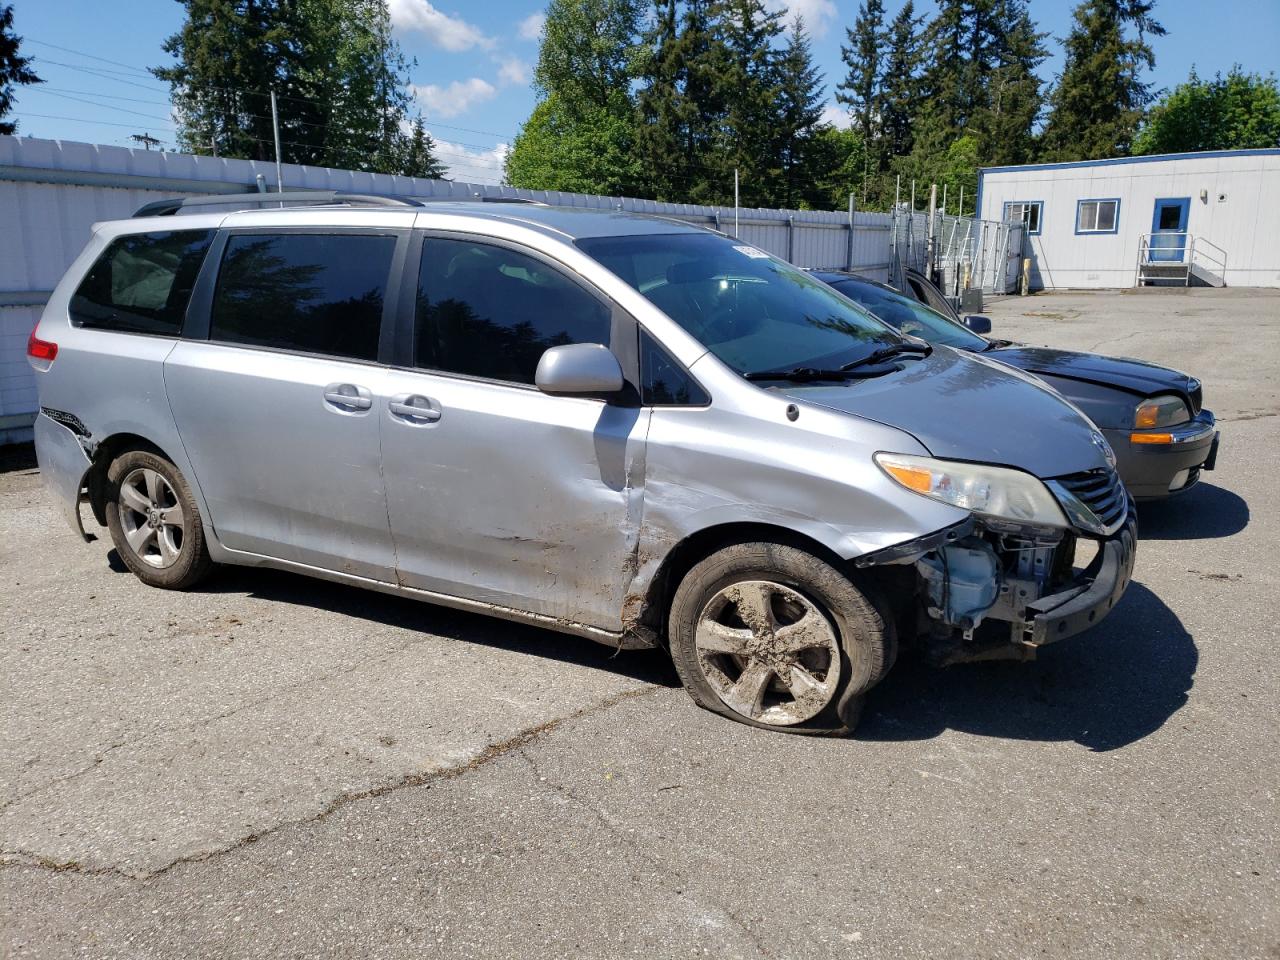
x: 415, y: 408
x: 348, y: 397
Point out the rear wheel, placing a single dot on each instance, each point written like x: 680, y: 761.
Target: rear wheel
x: 154, y: 521
x: 773, y: 636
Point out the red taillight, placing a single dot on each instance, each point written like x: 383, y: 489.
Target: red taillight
x: 38, y: 349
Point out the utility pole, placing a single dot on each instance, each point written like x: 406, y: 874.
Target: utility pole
x: 145, y: 139
x: 944, y: 199
x: 275, y: 127
x: 735, y: 203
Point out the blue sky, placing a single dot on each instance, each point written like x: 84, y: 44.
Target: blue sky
x: 474, y: 61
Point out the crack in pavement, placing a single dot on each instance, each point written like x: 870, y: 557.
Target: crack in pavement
x: 208, y: 721
x: 492, y: 752
x: 653, y: 859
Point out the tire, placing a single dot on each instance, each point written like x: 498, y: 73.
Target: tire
x: 154, y: 521
x: 752, y: 612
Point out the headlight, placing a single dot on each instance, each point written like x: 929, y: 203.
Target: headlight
x: 1161, y: 412
x: 994, y: 491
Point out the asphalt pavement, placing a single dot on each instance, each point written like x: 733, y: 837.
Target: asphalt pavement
x: 278, y: 767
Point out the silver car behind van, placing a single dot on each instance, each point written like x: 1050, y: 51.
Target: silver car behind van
x: 625, y: 428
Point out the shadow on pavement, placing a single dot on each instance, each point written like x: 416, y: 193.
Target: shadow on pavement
x: 647, y: 666
x: 18, y: 456
x: 1202, y: 513
x: 1104, y: 689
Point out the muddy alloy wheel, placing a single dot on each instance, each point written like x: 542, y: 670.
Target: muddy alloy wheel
x: 154, y: 521
x: 772, y: 636
x: 768, y: 652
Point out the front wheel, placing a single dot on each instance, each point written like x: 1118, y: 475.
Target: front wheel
x: 154, y: 521
x: 772, y: 636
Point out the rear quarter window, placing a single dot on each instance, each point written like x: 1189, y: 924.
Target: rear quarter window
x: 141, y: 283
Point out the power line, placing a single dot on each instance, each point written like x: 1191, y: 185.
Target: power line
x: 103, y: 106
x: 81, y: 53
x: 105, y: 123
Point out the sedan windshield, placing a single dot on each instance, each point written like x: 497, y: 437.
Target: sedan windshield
x: 752, y: 311
x: 910, y: 316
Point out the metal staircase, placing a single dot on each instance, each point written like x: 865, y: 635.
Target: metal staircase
x: 1173, y: 259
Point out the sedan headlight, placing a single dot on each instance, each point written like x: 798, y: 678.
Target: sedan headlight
x: 1161, y: 412
x: 993, y: 491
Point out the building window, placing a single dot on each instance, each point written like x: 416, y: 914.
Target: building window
x: 1097, y: 216
x: 1028, y: 211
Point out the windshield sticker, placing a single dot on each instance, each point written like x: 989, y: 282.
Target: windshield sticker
x: 751, y: 252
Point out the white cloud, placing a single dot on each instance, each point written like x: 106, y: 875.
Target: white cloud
x: 514, y: 71
x: 837, y: 116
x: 449, y: 32
x: 472, y: 165
x: 818, y: 14
x: 531, y: 26
x: 458, y: 97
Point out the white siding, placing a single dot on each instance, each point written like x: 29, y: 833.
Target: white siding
x: 1246, y: 224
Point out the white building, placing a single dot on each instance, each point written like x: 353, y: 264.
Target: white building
x: 1200, y: 218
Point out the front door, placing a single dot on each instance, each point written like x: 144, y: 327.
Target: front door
x: 278, y: 410
x: 1169, y: 230
x: 498, y: 492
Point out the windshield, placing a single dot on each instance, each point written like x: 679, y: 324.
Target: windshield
x: 753, y: 311
x: 910, y: 316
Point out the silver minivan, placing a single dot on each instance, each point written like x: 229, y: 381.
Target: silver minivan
x: 630, y: 429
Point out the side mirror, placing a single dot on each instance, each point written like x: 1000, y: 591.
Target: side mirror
x: 978, y: 324
x: 579, y: 370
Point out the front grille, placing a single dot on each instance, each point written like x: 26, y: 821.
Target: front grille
x: 1102, y: 492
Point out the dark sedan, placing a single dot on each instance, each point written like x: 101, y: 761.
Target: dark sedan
x: 1151, y: 415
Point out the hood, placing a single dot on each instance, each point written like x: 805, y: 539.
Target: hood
x: 962, y: 406
x: 1124, y: 373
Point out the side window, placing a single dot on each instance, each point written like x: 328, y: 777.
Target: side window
x: 663, y: 382
x: 488, y: 311
x: 142, y: 282
x: 314, y: 293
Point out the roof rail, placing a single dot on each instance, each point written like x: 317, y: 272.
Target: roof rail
x: 164, y: 208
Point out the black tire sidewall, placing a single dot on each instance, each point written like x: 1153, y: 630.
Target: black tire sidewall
x: 865, y: 637
x: 193, y: 559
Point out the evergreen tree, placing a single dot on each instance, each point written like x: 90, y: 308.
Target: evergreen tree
x: 1238, y: 112
x: 230, y: 54
x: 683, y: 103
x: 340, y: 78
x: 798, y: 121
x: 900, y: 89
x: 862, y: 56
x: 14, y: 70
x: 420, y: 158
x: 1010, y: 102
x: 581, y: 135
x: 1099, y: 101
x: 756, y: 106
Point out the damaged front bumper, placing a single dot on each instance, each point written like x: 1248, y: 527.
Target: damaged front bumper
x: 1085, y: 602
x: 989, y: 589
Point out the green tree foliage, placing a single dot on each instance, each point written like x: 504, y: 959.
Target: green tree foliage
x: 762, y: 118
x: 1238, y: 111
x: 1099, y: 101
x: 799, y: 117
x: 581, y: 134
x: 341, y: 81
x: 839, y: 161
x: 900, y: 89
x: 861, y: 87
x: 1009, y: 104
x: 14, y: 70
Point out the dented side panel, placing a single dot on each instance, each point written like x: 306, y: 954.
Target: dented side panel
x: 63, y: 465
x: 516, y: 498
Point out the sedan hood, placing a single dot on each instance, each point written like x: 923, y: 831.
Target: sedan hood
x: 1135, y: 376
x: 963, y: 406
